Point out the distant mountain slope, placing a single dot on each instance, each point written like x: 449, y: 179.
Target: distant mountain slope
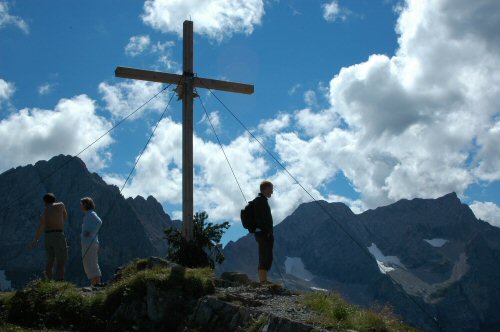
x: 129, y: 228
x: 154, y: 220
x: 439, y: 253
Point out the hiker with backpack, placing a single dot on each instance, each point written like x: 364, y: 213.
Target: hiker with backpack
x: 257, y: 218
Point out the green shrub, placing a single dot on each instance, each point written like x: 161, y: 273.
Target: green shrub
x: 199, y: 251
x: 47, y: 304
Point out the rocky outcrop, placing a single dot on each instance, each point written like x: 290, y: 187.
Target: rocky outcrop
x: 430, y: 251
x: 213, y: 314
x: 127, y: 225
x: 159, y: 309
x: 237, y: 304
x: 154, y: 220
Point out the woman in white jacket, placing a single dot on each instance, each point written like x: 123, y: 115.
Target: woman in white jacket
x: 90, y: 241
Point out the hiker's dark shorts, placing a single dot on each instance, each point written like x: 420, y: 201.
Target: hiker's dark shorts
x: 266, y: 243
x: 56, y: 247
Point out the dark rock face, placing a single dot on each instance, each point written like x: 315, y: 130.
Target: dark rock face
x: 154, y: 220
x: 212, y: 314
x: 127, y: 231
x: 430, y: 251
x: 251, y: 307
x: 158, y: 310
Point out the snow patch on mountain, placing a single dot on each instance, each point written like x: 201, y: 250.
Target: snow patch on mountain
x: 385, y: 263
x: 438, y: 243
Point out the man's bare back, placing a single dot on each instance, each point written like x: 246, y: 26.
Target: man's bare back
x: 54, y: 216
x: 52, y: 223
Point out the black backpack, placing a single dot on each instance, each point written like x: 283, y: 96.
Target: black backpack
x: 247, y: 216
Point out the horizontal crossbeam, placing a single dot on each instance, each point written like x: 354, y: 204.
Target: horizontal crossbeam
x: 199, y: 82
x: 207, y: 83
x: 148, y: 75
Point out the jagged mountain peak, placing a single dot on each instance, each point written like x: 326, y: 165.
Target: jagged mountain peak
x: 131, y: 228
x: 449, y: 200
x: 59, y: 159
x: 306, y: 211
x: 75, y: 164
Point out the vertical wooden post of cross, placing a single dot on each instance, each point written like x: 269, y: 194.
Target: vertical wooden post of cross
x: 187, y: 131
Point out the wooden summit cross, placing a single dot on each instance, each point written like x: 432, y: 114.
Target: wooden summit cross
x: 185, y: 85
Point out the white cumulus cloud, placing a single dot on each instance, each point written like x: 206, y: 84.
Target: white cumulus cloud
x: 332, y: 11
x: 217, y: 19
x: 142, y: 44
x: 123, y: 98
x: 488, y: 158
x: 214, y: 120
x: 67, y: 129
x: 165, y: 56
x: 271, y: 127
x: 6, y: 90
x: 159, y: 172
x: 487, y: 211
x: 315, y: 123
x: 7, y: 19
x: 137, y: 45
x: 310, y: 98
x: 410, y: 124
x: 45, y: 89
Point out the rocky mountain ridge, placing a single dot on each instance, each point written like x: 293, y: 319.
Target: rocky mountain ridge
x: 131, y: 228
x: 430, y: 251
x: 434, y: 252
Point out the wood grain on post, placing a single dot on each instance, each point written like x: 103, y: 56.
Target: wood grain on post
x: 187, y: 132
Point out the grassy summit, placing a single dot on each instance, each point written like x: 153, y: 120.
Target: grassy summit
x: 333, y: 312
x: 60, y: 305
x: 155, y: 294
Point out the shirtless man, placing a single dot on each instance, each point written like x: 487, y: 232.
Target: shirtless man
x: 52, y: 223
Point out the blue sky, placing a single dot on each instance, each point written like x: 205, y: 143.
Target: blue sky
x: 365, y: 101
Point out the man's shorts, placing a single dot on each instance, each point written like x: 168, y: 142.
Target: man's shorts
x: 56, y: 247
x: 266, y: 243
